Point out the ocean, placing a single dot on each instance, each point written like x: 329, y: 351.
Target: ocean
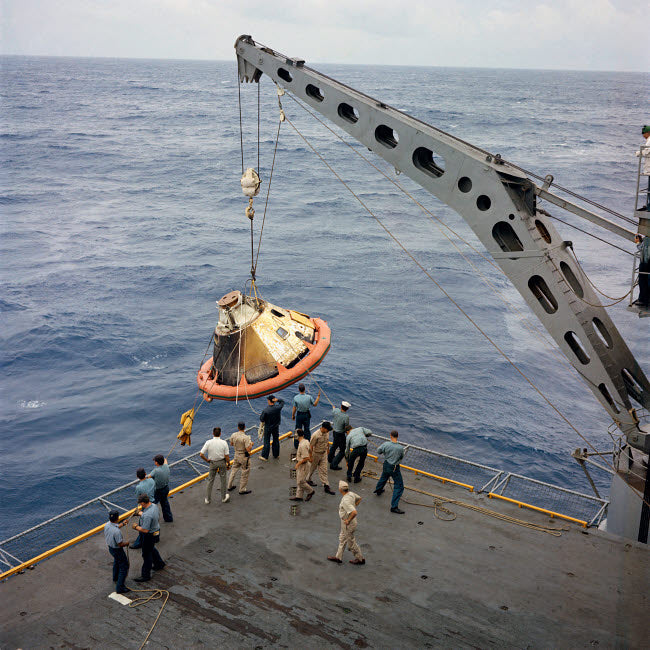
x: 123, y: 221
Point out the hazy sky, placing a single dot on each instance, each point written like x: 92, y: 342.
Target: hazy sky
x: 565, y: 34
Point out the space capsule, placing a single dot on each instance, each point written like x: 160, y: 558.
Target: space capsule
x: 260, y: 348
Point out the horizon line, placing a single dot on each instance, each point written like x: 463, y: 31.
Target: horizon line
x: 374, y: 65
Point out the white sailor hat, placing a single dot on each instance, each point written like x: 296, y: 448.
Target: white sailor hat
x: 347, y: 405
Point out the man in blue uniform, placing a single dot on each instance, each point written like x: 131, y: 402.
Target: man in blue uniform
x: 301, y: 413
x: 340, y: 423
x: 146, y: 486
x: 150, y: 530
x: 356, y: 447
x: 160, y: 475
x: 271, y: 416
x: 116, y: 544
x: 393, y: 453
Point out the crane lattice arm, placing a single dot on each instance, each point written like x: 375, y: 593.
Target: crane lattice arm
x: 498, y: 201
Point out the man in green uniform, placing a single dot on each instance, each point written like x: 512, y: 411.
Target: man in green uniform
x: 243, y: 445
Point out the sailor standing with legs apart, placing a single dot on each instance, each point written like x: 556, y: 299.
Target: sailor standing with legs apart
x: 149, y: 528
x: 348, y: 515
x: 271, y: 416
x: 301, y: 413
x: 160, y: 475
x: 318, y: 445
x: 303, y: 458
x: 340, y: 423
x: 116, y: 544
x: 393, y: 453
x: 215, y: 452
x: 243, y: 445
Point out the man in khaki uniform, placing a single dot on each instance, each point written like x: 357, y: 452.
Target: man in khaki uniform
x: 303, y: 458
x: 348, y: 515
x: 242, y: 462
x: 319, y: 447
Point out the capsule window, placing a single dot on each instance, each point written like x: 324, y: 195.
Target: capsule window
x: 632, y: 384
x: 506, y: 237
x: 541, y: 229
x: 314, y: 92
x: 285, y: 74
x: 465, y: 184
x: 348, y: 113
x: 387, y: 136
x: 277, y: 313
x: 282, y: 333
x: 540, y: 290
x: 424, y: 160
x: 483, y: 202
x: 608, y: 397
x: 571, y: 279
x: 603, y: 333
x: 574, y: 343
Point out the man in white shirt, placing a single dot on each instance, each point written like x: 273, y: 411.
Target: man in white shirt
x: 215, y: 452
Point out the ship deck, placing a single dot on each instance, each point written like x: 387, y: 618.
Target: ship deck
x: 250, y: 574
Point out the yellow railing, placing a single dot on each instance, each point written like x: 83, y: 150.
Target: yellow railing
x: 550, y: 513
x: 97, y: 529
x: 443, y: 479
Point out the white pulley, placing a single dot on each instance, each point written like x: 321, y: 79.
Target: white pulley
x: 250, y: 183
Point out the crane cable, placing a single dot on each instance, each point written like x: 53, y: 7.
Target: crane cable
x: 451, y: 299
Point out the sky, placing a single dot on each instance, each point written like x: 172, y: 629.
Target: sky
x: 547, y: 34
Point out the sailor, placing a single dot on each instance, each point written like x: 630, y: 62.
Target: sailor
x: 215, y: 452
x: 348, y: 515
x: 301, y: 413
x: 356, y: 450
x: 303, y: 458
x: 149, y: 528
x: 644, y: 152
x: 160, y: 476
x: 146, y: 486
x: 340, y: 422
x: 643, y: 248
x: 393, y: 453
x: 116, y: 544
x: 318, y: 447
x: 243, y: 445
x: 271, y: 416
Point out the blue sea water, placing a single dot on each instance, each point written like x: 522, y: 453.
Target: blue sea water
x: 123, y: 221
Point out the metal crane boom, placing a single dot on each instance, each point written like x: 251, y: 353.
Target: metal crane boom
x: 498, y: 201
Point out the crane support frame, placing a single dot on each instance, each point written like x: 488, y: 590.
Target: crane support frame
x: 498, y: 201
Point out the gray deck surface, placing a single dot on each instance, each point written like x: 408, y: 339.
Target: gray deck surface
x: 247, y: 574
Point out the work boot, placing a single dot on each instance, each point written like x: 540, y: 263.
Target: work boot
x: 309, y: 496
x: 310, y: 482
x: 141, y: 579
x: 355, y: 561
x: 333, y: 558
x: 230, y: 489
x: 328, y: 490
x: 397, y: 511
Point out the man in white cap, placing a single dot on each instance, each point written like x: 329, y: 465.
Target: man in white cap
x: 348, y: 515
x: 340, y: 423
